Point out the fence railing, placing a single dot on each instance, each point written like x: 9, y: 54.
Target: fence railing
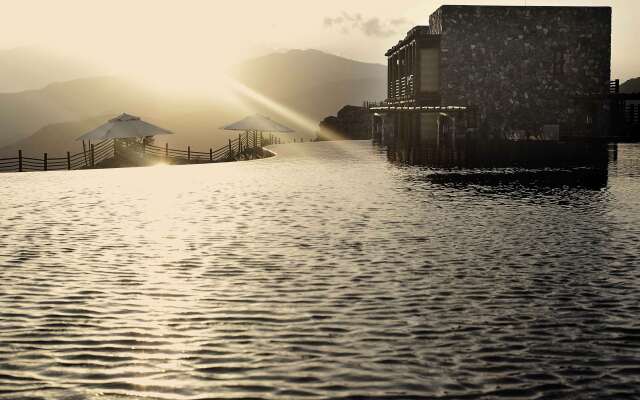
x: 371, y: 104
x: 247, y: 145
x: 89, y: 157
x: 614, y: 86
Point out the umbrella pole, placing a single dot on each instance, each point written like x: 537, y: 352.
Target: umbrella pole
x: 247, y: 146
x: 84, y: 152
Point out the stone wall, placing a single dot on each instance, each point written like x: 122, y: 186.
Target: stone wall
x: 523, y: 67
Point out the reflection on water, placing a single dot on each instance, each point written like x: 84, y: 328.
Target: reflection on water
x: 593, y: 178
x: 496, y: 153
x: 325, y: 272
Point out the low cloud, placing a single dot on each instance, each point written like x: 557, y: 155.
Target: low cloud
x: 329, y: 22
x: 399, y: 21
x: 374, y: 27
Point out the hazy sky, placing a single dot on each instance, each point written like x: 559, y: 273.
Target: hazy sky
x: 195, y: 37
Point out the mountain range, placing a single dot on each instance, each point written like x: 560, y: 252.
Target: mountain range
x: 308, y: 82
x: 32, y: 67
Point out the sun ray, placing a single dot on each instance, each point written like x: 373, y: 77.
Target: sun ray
x: 307, y: 123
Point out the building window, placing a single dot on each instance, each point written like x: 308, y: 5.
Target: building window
x: 558, y: 63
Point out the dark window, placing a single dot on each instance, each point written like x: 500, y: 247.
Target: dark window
x: 558, y: 63
x: 589, y: 119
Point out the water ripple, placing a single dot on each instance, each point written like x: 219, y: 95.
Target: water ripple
x: 325, y: 272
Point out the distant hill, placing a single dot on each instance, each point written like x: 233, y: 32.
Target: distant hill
x: 631, y: 86
x: 280, y: 75
x: 29, y: 68
x: 23, y: 113
x: 56, y: 139
x: 195, y: 121
x: 311, y: 83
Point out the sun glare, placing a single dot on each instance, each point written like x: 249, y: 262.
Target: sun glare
x: 307, y: 123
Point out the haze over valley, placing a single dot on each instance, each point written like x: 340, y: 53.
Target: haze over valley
x: 310, y: 83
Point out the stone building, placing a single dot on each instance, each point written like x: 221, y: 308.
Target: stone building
x: 510, y: 72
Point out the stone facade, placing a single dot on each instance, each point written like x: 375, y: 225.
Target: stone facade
x: 525, y: 67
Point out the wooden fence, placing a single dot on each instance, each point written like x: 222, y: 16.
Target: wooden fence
x: 248, y: 145
x: 89, y: 158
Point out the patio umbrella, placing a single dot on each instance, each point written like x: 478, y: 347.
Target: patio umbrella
x: 124, y: 126
x: 257, y: 123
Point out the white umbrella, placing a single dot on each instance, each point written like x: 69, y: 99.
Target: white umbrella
x: 257, y: 123
x: 124, y: 126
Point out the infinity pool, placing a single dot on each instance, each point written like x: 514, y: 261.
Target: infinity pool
x: 324, y: 272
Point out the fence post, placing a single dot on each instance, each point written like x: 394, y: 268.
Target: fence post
x: 230, y: 150
x: 166, y: 150
x: 19, y: 160
x: 45, y: 161
x: 210, y: 154
x: 68, y: 161
x: 239, y: 143
x: 260, y: 139
x: 93, y: 155
x: 189, y: 153
x: 144, y: 149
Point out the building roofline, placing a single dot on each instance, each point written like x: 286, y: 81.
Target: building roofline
x: 424, y: 30
x: 417, y: 31
x: 522, y: 7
